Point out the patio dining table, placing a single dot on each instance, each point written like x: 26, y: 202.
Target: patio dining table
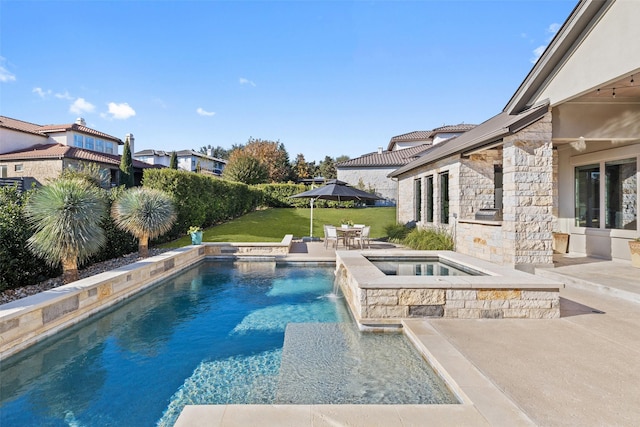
x: 348, y: 233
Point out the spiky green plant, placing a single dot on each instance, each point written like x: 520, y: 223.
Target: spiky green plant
x: 66, y: 216
x: 144, y: 212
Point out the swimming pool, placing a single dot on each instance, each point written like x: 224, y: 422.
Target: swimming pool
x: 218, y: 333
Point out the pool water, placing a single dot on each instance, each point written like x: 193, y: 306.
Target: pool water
x: 420, y: 267
x: 219, y: 333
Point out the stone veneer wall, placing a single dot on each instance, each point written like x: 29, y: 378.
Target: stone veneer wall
x: 481, y: 240
x: 421, y: 296
x: 375, y: 178
x: 528, y: 196
x: 477, y: 188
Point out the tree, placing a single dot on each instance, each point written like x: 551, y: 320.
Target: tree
x: 243, y: 167
x: 342, y: 158
x: 66, y: 215
x: 126, y: 166
x: 173, y: 162
x: 328, y: 168
x: 90, y: 172
x: 301, y: 168
x: 217, y: 152
x: 273, y: 155
x: 144, y: 212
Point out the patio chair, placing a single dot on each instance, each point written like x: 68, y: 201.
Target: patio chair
x: 331, y: 234
x: 362, y: 237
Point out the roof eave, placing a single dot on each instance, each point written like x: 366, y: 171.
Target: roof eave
x: 554, y: 55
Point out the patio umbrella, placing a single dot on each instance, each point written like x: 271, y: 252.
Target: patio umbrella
x: 335, y: 190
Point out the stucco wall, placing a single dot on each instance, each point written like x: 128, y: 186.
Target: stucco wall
x: 11, y: 140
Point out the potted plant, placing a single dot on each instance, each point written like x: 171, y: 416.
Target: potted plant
x: 634, y: 248
x: 346, y: 223
x: 560, y: 243
x: 196, y: 235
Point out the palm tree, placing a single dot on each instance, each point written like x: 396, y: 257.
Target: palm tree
x: 144, y: 212
x: 66, y: 215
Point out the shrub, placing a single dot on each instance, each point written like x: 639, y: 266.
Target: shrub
x: 432, y: 239
x: 119, y: 241
x: 278, y: 195
x: 201, y: 199
x: 396, y: 232
x: 18, y: 266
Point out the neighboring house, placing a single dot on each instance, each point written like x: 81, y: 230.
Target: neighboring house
x: 188, y: 160
x: 31, y: 153
x: 370, y: 171
x: 562, y: 155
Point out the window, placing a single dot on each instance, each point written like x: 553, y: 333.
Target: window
x: 19, y: 168
x: 100, y: 145
x: 444, y: 198
x: 621, y: 194
x: 88, y: 143
x: 587, y: 187
x: 78, y: 141
x: 108, y: 147
x: 497, y: 186
x: 3, y: 171
x: 417, y: 194
x: 429, y: 199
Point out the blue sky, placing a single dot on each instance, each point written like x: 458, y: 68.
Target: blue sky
x: 323, y: 77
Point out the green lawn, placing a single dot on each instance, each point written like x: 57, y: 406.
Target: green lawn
x: 271, y: 225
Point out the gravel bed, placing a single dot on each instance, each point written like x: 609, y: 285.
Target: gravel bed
x: 25, y: 291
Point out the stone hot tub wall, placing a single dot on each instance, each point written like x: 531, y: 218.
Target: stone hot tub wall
x: 377, y: 300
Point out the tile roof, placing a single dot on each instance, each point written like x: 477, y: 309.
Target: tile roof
x: 426, y: 135
x: 55, y: 151
x: 386, y: 158
x: 35, y: 129
x: 19, y: 125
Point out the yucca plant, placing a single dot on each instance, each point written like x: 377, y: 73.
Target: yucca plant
x: 66, y: 215
x: 144, y: 212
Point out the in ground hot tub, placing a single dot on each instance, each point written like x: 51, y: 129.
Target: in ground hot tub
x: 421, y: 266
x: 378, y: 298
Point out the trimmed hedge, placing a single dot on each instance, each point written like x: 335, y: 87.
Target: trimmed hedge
x: 18, y: 266
x: 277, y: 195
x: 201, y: 200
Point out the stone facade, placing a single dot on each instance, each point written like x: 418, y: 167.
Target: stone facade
x: 477, y: 182
x: 376, y: 299
x: 481, y: 239
x: 528, y: 196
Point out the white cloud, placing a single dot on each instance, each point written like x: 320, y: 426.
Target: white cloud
x: 537, y: 53
x: 5, y: 75
x: 552, y: 29
x: 244, y: 81
x: 202, y: 112
x: 64, y: 95
x: 41, y: 93
x: 120, y: 111
x: 80, y: 106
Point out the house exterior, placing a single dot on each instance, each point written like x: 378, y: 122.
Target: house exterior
x: 370, y: 171
x: 31, y: 153
x: 561, y: 156
x: 188, y: 160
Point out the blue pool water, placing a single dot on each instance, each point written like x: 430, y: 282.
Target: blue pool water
x: 244, y: 332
